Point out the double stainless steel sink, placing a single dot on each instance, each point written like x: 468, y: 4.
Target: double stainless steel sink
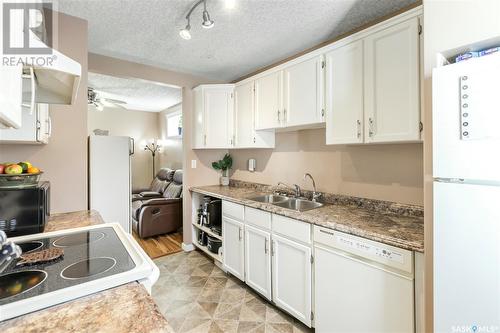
x: 299, y: 205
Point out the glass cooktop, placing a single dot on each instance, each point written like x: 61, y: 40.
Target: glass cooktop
x: 88, y: 255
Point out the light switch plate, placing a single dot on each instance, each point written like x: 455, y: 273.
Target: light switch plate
x: 193, y: 164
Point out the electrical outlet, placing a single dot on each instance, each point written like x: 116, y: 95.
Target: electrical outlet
x: 193, y: 164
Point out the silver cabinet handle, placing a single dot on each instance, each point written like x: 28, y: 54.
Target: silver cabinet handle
x: 49, y: 123
x: 38, y: 132
x: 370, y: 127
x: 265, y: 246
x: 240, y: 237
x: 358, y: 124
x: 279, y: 112
x: 284, y: 115
x: 205, y: 139
x: 272, y: 248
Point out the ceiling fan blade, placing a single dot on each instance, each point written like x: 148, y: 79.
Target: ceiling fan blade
x: 115, y: 101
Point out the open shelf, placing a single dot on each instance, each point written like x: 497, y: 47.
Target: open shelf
x: 204, y: 249
x: 196, y: 202
x: 207, y: 230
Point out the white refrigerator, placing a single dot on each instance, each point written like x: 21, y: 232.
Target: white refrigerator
x: 110, y: 178
x: 466, y: 213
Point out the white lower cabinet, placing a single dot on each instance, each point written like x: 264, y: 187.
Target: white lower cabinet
x: 292, y: 270
x: 233, y: 247
x: 356, y: 285
x: 258, y: 260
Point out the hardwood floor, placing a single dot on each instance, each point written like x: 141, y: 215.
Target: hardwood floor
x: 162, y: 245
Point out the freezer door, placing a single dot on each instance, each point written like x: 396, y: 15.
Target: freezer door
x: 466, y: 120
x: 466, y: 257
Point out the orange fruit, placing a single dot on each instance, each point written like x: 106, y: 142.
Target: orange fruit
x: 33, y: 170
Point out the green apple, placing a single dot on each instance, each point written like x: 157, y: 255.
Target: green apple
x: 13, y: 169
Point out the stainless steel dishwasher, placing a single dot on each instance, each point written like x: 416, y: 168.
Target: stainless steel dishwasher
x: 361, y: 285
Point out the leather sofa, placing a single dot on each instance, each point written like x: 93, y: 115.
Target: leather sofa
x: 159, y: 209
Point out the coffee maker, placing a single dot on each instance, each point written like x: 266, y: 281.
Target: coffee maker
x: 211, y: 212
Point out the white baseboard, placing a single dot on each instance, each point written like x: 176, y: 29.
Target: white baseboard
x: 188, y: 247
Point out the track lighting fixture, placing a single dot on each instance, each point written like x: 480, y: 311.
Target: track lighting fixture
x: 206, y: 23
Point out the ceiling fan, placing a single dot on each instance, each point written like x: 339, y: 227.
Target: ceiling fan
x: 93, y: 98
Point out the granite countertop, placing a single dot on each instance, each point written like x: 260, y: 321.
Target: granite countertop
x: 127, y: 308
x: 398, y: 226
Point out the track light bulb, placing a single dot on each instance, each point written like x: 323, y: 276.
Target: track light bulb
x: 184, y: 33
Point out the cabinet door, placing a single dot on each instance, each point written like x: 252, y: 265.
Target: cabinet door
x: 392, y: 96
x: 244, y: 121
x: 303, y: 92
x: 11, y: 91
x: 258, y: 260
x: 268, y: 112
x: 233, y: 247
x: 27, y: 133
x: 198, y: 120
x: 292, y: 278
x: 218, y: 105
x: 344, y: 94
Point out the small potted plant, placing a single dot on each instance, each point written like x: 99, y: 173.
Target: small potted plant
x: 224, y: 165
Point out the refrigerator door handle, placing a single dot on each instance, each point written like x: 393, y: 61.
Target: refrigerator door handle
x: 132, y: 147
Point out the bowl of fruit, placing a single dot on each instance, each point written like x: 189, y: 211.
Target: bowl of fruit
x: 20, y: 174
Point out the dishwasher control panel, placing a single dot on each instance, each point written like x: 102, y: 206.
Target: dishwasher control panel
x: 381, y: 253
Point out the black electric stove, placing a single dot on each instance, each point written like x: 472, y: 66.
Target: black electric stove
x: 88, y: 255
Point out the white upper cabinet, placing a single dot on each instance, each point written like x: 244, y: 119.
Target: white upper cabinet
x: 213, y: 116
x: 392, y: 94
x: 11, y: 92
x: 244, y: 123
x: 268, y: 101
x: 36, y: 128
x: 303, y: 86
x: 364, y: 87
x: 344, y: 94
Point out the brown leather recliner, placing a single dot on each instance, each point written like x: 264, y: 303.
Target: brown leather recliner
x: 159, y: 215
x: 163, y: 178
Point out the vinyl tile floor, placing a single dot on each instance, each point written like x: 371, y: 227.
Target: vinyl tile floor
x: 194, y: 295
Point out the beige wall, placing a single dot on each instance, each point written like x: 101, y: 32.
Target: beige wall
x: 171, y: 153
x: 203, y: 174
x: 139, y: 125
x: 385, y: 172
x: 448, y: 25
x: 64, y: 159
